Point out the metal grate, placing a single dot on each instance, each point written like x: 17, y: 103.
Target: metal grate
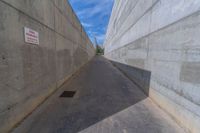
x: 68, y: 94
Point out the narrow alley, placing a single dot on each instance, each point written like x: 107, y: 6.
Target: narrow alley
x: 99, y: 66
x: 105, y: 101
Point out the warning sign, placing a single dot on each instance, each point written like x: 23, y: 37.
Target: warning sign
x: 31, y: 36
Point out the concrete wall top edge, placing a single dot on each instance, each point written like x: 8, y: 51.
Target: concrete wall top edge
x: 174, y: 11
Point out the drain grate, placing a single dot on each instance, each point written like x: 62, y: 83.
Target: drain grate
x: 68, y: 94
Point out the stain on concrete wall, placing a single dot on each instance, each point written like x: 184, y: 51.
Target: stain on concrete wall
x: 190, y: 72
x: 30, y: 73
x: 136, y: 62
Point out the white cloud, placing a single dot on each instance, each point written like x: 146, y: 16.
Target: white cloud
x: 92, y: 15
x: 101, y: 38
x: 86, y: 24
x: 101, y: 7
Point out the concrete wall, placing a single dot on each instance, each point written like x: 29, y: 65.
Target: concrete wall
x: 30, y: 73
x: 162, y: 37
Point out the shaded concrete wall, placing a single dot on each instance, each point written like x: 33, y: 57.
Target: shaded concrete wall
x: 30, y: 73
x: 162, y: 37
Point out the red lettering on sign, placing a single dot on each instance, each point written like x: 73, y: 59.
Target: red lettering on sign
x: 31, y: 36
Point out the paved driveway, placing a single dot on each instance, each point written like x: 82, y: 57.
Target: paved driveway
x: 105, y: 102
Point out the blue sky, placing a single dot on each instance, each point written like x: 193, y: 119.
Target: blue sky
x: 94, y: 16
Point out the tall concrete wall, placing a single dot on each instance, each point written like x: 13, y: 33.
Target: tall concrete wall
x: 30, y: 73
x: 162, y: 37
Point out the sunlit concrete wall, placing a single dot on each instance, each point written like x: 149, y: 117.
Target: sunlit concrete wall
x: 30, y: 73
x: 161, y: 36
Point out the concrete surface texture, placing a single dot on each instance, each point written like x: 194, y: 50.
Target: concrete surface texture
x: 106, y: 101
x: 160, y: 37
x: 30, y: 73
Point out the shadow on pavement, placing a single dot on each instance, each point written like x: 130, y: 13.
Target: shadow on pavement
x: 138, y: 76
x: 101, y: 91
x: 105, y: 91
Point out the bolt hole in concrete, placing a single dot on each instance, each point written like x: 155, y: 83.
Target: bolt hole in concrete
x: 68, y: 94
x: 3, y: 57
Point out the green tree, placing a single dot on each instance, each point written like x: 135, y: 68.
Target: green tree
x: 99, y: 50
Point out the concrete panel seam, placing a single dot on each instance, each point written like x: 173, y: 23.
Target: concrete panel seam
x: 67, y: 18
x: 156, y: 31
x: 126, y: 18
x: 129, y: 13
x: 178, y: 103
x: 136, y: 21
x: 55, y: 43
x: 37, y: 21
x: 169, y: 113
x: 8, y: 4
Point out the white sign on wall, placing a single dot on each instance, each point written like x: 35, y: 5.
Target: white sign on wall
x: 31, y: 36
